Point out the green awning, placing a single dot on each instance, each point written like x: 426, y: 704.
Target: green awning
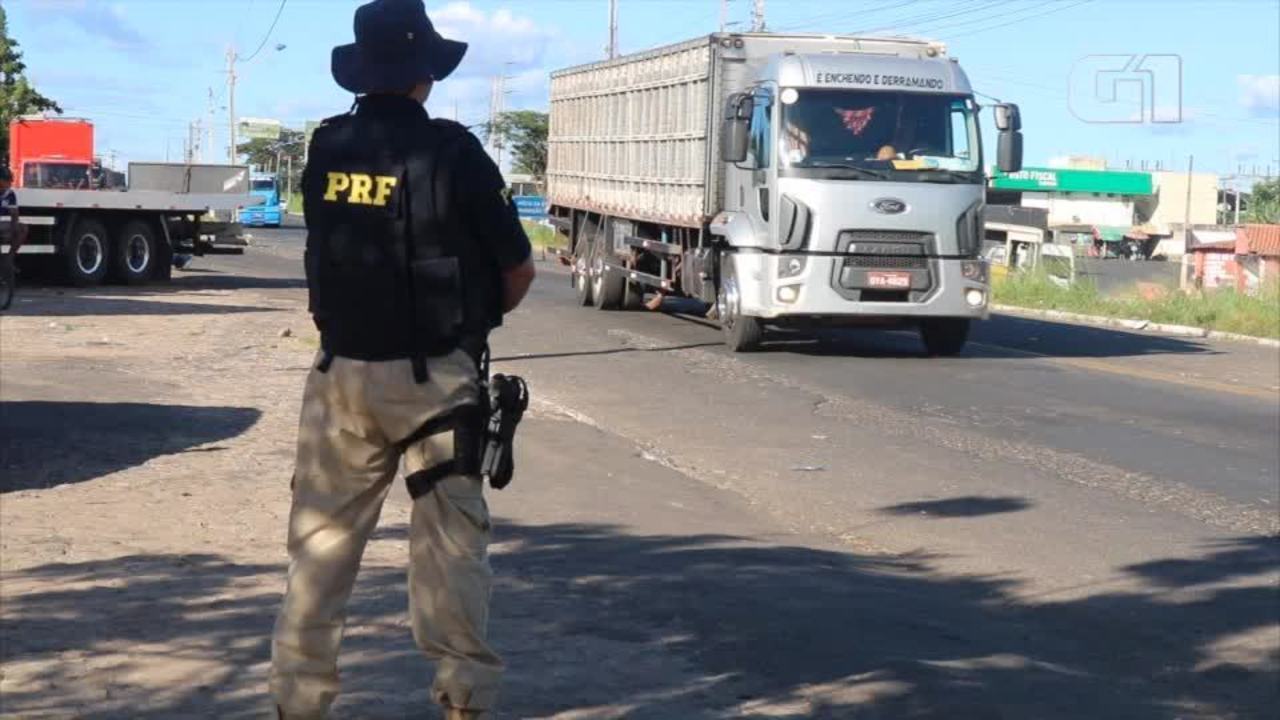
x: 1106, y: 182
x: 1112, y: 234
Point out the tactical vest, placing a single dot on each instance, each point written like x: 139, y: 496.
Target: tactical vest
x: 390, y: 273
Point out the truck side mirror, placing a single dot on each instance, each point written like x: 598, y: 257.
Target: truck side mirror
x: 1009, y: 151
x: 735, y: 133
x: 1008, y: 117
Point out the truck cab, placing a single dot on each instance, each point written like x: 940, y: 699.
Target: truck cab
x: 268, y: 212
x: 854, y: 193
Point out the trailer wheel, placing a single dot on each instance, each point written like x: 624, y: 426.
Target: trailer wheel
x: 607, y: 285
x: 633, y: 296
x: 581, y: 273
x: 742, y: 333
x: 944, y: 336
x: 135, y: 253
x: 86, y: 253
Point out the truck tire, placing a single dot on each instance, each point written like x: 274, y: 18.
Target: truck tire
x: 86, y: 253
x: 581, y: 272
x: 742, y: 333
x: 607, y: 284
x: 135, y: 253
x: 944, y: 336
x: 633, y: 296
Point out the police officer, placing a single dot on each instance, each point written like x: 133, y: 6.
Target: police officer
x: 414, y: 252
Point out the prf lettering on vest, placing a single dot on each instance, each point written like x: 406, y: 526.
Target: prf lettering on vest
x: 360, y: 189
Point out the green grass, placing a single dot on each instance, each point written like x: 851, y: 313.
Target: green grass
x: 540, y: 235
x: 1222, y: 310
x: 295, y: 203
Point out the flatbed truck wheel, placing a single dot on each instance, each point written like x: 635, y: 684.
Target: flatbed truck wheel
x: 135, y: 253
x: 87, y: 253
x: 944, y: 336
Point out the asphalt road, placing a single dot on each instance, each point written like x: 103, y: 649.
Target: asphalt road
x: 1063, y: 522
x: 1204, y: 414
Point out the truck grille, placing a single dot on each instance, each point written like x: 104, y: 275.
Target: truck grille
x: 888, y: 262
x: 870, y: 253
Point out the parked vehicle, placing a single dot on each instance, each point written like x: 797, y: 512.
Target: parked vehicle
x: 1026, y: 248
x: 99, y: 233
x: 269, y: 210
x: 785, y: 180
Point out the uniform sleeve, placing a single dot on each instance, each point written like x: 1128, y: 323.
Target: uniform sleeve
x: 487, y: 209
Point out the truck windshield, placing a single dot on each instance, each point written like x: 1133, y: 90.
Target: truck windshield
x: 61, y: 176
x: 888, y: 131
x: 264, y: 185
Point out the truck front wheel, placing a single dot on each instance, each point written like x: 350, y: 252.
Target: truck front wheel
x: 944, y: 336
x: 135, y: 253
x: 742, y: 333
x: 85, y: 256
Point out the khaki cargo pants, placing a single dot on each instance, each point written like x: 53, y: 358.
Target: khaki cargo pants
x: 354, y: 414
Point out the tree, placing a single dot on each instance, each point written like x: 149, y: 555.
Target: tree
x: 17, y: 97
x: 1264, y: 202
x: 525, y: 133
x: 265, y: 154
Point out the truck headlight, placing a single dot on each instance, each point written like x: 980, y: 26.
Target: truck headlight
x: 788, y: 293
x: 975, y: 297
x: 975, y: 270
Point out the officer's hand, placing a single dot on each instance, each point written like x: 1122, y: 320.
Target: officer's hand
x: 515, y: 284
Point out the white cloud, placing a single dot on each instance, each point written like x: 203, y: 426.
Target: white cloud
x: 1260, y: 94
x: 497, y: 41
x: 106, y: 22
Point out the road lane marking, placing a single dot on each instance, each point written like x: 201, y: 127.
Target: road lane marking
x: 1139, y: 373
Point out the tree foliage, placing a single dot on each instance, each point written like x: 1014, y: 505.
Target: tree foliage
x: 1264, y: 202
x: 17, y: 97
x: 265, y: 154
x: 524, y: 132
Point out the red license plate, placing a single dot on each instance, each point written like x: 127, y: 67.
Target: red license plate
x: 895, y: 280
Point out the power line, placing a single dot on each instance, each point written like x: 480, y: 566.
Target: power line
x: 904, y: 23
x: 948, y: 26
x: 267, y: 36
x: 845, y: 15
x: 1059, y: 8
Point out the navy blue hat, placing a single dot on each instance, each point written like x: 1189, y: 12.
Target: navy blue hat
x: 396, y: 47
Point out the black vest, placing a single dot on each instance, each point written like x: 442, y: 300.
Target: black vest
x: 389, y: 271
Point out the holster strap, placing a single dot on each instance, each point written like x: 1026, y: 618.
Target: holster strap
x: 423, y: 482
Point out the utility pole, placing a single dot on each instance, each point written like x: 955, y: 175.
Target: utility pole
x: 231, y: 104
x: 208, y: 138
x: 724, y: 14
x: 613, y: 29
x: 757, y: 16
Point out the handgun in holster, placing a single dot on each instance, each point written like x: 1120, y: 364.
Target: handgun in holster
x: 508, y: 398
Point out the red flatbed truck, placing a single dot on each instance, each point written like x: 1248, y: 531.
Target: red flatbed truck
x: 77, y: 212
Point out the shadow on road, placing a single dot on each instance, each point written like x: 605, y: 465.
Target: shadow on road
x: 612, y: 351
x: 680, y: 627
x: 117, y: 301
x: 960, y: 507
x: 46, y: 444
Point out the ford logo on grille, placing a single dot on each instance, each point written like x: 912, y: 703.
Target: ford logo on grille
x: 889, y: 206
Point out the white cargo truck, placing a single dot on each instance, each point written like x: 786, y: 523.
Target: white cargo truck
x: 784, y: 180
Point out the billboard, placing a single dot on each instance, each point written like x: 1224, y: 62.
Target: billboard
x: 258, y: 129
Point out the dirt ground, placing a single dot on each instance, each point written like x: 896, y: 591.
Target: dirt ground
x: 148, y: 440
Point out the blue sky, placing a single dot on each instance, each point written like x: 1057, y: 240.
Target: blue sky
x: 143, y: 69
